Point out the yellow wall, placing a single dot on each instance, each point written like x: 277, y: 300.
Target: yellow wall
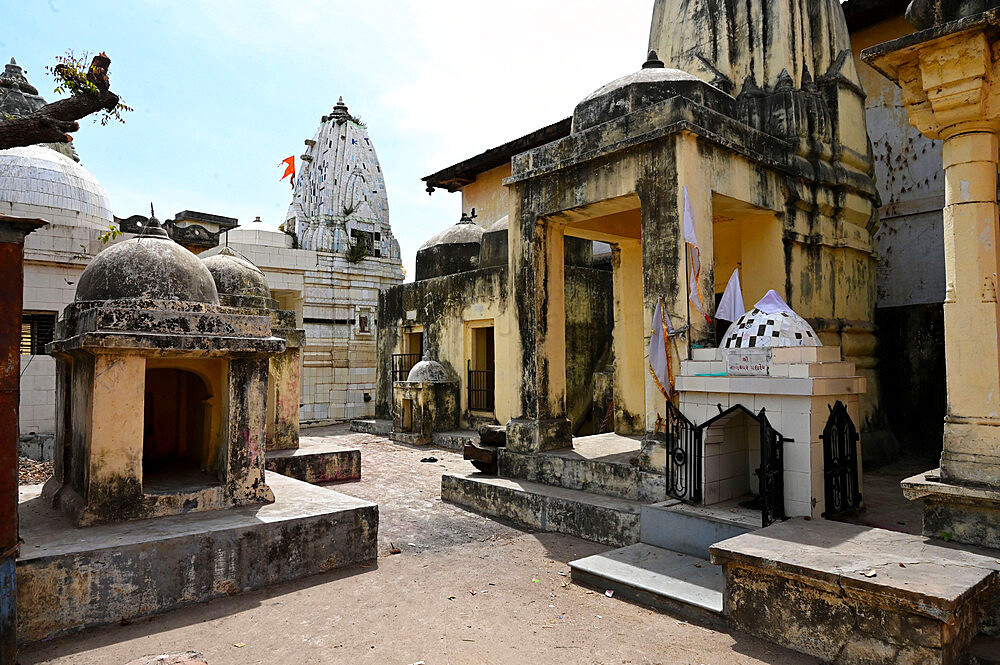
x: 488, y: 196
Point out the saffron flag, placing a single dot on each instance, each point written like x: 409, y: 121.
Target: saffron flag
x: 289, y: 170
x: 693, y: 258
x: 659, y: 350
x: 731, y: 307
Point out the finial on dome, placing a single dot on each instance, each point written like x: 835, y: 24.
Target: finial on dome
x: 13, y: 61
x: 152, y: 228
x: 653, y: 61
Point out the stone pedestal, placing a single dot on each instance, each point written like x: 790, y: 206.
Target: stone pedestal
x: 951, y: 89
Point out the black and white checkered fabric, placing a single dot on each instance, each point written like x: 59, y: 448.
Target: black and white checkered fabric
x: 757, y: 329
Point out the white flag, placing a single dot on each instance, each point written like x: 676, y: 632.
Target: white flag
x: 731, y: 306
x: 693, y: 257
x: 659, y: 350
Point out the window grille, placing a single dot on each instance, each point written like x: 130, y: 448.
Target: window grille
x: 37, y: 330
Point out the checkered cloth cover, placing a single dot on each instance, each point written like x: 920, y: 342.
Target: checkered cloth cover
x: 757, y: 329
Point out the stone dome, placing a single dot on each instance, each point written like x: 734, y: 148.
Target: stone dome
x: 236, y: 276
x: 257, y: 233
x: 430, y: 371
x: 645, y: 75
x: 151, y: 266
x: 652, y: 84
x: 770, y: 323
x: 454, y: 250
x: 36, y: 180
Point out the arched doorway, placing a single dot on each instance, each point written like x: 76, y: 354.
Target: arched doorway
x: 175, y: 429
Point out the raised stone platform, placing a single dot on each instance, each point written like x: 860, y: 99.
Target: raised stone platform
x: 372, y: 426
x: 316, y: 461
x: 601, y: 464
x: 851, y: 594
x: 603, y: 519
x: 963, y: 513
x: 455, y: 440
x: 70, y: 578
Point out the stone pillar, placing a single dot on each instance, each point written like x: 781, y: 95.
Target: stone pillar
x: 630, y: 374
x: 972, y: 424
x: 12, y: 233
x: 538, y: 290
x: 951, y: 89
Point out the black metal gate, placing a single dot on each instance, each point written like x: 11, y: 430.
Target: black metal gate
x: 840, y: 462
x: 684, y: 456
x: 771, y: 472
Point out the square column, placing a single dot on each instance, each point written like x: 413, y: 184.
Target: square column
x: 951, y: 90
x: 537, y: 274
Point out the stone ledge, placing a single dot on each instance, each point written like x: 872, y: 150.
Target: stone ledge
x: 70, y: 578
x: 372, y: 426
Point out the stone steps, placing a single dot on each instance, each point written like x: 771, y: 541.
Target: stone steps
x: 655, y: 577
x: 680, y: 527
x: 603, y: 519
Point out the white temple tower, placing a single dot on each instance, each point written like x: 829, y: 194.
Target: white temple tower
x: 340, y: 196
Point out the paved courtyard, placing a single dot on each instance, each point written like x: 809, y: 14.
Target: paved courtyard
x: 463, y: 589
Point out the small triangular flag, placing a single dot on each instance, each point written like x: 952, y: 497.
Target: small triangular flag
x: 731, y: 307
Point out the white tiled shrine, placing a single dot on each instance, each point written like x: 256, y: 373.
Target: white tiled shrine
x: 797, y: 386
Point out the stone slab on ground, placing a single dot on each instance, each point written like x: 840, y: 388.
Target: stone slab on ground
x: 655, y: 577
x: 602, y: 464
x: 69, y: 578
x: 316, y: 461
x: 372, y: 426
x: 848, y: 593
x: 603, y: 519
x: 187, y: 658
x: 693, y: 529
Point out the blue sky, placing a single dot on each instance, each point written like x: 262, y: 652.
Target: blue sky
x: 224, y: 90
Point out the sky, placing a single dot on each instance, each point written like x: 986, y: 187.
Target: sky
x: 224, y: 90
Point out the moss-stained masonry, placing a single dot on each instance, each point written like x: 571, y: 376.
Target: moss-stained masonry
x: 788, y: 153
x: 443, y: 306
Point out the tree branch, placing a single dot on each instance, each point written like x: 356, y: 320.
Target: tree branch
x: 53, y: 122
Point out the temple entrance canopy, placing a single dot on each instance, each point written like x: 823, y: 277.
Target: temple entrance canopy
x: 767, y: 196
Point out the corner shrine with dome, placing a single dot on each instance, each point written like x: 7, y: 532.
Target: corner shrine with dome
x: 706, y: 160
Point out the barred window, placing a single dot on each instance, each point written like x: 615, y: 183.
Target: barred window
x: 37, y: 329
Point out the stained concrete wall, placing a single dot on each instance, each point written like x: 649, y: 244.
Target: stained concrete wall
x: 911, y: 279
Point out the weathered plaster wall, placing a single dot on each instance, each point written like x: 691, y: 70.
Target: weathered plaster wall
x: 911, y: 276
x: 488, y: 196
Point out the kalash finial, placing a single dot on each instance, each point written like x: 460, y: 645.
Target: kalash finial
x: 152, y: 228
x: 340, y: 111
x: 653, y: 61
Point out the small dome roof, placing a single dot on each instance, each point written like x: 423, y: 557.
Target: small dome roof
x: 501, y: 224
x: 464, y: 232
x: 257, y: 233
x: 236, y: 276
x: 644, y: 75
x: 770, y: 323
x: 151, y: 266
x: 430, y: 371
x: 38, y: 177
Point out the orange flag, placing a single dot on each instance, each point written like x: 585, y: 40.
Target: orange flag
x: 289, y: 170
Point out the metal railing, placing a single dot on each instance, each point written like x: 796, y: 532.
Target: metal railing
x: 482, y: 396
x: 402, y: 363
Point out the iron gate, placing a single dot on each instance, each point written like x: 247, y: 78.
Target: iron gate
x: 840, y: 462
x: 684, y: 456
x: 771, y: 472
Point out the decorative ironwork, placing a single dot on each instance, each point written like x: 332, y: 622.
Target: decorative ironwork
x: 771, y: 472
x: 402, y: 363
x: 684, y: 456
x: 840, y: 462
x: 482, y: 396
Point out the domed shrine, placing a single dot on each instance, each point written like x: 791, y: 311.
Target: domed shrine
x: 163, y: 383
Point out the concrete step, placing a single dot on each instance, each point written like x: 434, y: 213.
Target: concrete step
x: 603, y: 519
x: 680, y: 527
x: 610, y: 475
x: 655, y: 577
x: 371, y: 426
